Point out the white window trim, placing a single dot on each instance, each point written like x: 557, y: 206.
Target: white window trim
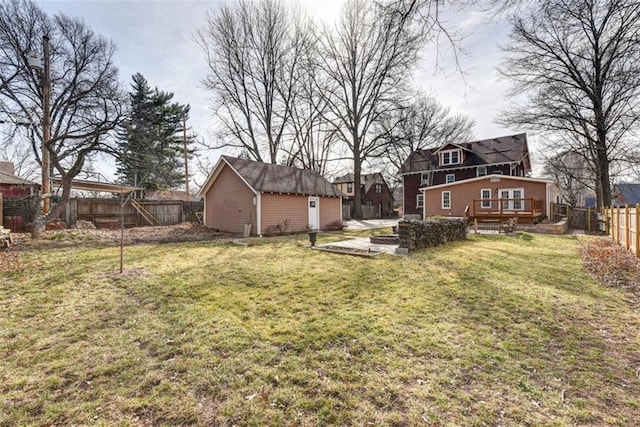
x: 418, y: 204
x: 442, y: 198
x: 482, y: 203
x: 447, y: 176
x: 484, y: 168
x: 511, y: 204
x: 450, y: 162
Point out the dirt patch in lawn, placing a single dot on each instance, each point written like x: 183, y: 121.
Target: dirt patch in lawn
x: 185, y: 232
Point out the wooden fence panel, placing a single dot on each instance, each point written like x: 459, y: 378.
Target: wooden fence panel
x: 107, y: 212
x: 624, y: 227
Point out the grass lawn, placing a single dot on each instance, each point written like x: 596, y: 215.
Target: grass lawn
x: 491, y: 331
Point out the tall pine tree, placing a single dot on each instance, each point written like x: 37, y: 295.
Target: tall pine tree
x: 151, y: 152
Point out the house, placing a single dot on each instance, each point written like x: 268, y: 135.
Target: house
x: 625, y: 194
x: 375, y: 194
x: 271, y: 198
x: 17, y: 201
x: 507, y: 155
x: 13, y: 186
x: 492, y: 197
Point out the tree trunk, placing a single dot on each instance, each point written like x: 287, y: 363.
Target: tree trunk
x: 41, y: 222
x: 357, y: 189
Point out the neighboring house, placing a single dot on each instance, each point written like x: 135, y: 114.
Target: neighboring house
x: 272, y: 198
x: 507, y: 155
x: 625, y: 194
x: 13, y: 186
x: 492, y: 196
x: 17, y: 207
x: 374, y: 193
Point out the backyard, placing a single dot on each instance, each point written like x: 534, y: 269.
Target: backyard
x: 495, y: 330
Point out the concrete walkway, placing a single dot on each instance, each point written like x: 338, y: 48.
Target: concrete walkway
x: 364, y: 244
x: 363, y: 224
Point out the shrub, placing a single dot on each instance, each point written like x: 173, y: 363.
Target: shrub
x: 334, y: 226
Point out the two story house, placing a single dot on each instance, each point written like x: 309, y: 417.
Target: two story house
x: 450, y: 163
x: 377, y: 198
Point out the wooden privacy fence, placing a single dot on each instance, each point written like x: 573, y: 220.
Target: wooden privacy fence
x: 108, y: 212
x: 588, y: 219
x: 624, y: 227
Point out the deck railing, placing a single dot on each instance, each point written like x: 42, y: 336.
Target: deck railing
x: 500, y: 208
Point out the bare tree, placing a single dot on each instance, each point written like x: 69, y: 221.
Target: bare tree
x: 418, y: 123
x: 578, y: 64
x: 254, y: 51
x: 86, y: 99
x: 367, y: 59
x: 310, y: 138
x: 573, y: 171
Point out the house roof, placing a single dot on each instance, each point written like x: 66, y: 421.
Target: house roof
x: 85, y: 185
x: 505, y: 149
x: 6, y: 178
x: 630, y: 194
x: 267, y: 177
x: 489, y: 178
x: 368, y: 180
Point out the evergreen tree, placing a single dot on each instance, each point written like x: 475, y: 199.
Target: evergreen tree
x: 150, y: 140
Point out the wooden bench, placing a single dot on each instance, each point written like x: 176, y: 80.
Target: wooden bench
x: 508, y: 226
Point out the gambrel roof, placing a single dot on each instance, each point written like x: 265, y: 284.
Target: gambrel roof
x: 493, y: 151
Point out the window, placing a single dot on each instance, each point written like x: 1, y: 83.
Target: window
x: 420, y: 201
x: 369, y: 203
x: 446, y: 200
x: 378, y: 188
x: 350, y: 187
x: 450, y: 157
x: 424, y: 177
x: 485, y: 194
x: 451, y: 177
x: 455, y: 157
x: 513, y: 199
x: 481, y: 171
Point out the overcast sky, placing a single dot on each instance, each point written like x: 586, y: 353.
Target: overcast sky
x: 155, y: 38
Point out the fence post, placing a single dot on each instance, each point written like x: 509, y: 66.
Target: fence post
x: 589, y: 220
x: 637, y: 224
x: 618, y: 224
x: 627, y: 228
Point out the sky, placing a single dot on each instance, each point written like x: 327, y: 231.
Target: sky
x: 156, y: 38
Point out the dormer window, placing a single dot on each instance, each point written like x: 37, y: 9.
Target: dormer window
x: 450, y: 157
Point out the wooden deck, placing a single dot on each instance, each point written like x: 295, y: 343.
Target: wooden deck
x: 497, y: 210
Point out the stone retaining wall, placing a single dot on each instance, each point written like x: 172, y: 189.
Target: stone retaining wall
x: 425, y: 234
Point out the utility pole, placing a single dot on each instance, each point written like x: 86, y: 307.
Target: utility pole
x: 186, y: 165
x: 46, y: 125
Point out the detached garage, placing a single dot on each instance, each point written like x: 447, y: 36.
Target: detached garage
x: 271, y: 198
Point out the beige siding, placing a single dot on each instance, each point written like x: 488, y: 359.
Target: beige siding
x: 330, y: 210
x: 229, y: 203
x: 278, y: 208
x: 464, y: 193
